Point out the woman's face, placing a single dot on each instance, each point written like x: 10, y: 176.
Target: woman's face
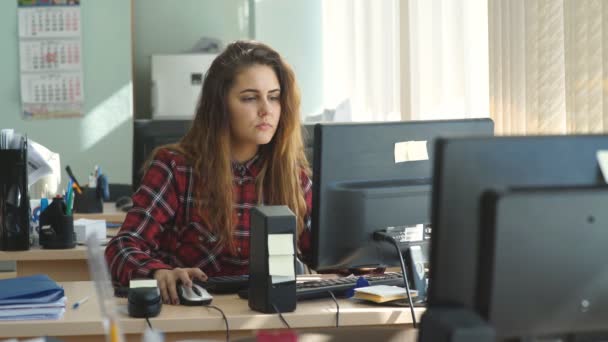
x: 255, y: 108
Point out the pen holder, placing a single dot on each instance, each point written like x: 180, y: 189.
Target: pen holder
x: 57, y: 228
x: 14, y: 201
x: 88, y: 202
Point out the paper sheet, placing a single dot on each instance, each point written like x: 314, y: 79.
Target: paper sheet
x: 281, y: 256
x: 407, y: 151
x: 602, y: 160
x: 280, y: 244
x: 50, y: 51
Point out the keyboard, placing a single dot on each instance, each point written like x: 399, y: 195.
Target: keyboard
x: 340, y: 286
x: 225, y: 284
x: 304, y: 290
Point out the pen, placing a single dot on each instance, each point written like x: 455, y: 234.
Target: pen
x: 77, y: 186
x: 80, y: 302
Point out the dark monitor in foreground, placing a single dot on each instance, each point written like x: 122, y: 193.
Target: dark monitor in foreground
x: 464, y: 169
x: 542, y: 256
x: 149, y: 134
x: 363, y: 184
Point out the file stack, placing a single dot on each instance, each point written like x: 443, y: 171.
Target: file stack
x: 32, y: 297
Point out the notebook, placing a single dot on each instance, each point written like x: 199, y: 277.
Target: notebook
x: 382, y: 293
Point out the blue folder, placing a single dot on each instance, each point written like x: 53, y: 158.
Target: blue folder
x: 36, y: 289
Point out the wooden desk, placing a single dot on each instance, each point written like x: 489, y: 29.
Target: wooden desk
x: 180, y: 322
x: 110, y: 214
x: 59, y: 264
x: 62, y: 264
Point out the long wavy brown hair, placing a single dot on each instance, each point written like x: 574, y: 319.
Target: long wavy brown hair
x: 206, y: 146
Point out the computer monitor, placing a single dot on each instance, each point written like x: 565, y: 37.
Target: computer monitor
x: 308, y: 135
x: 149, y: 134
x: 359, y: 188
x: 465, y: 168
x: 554, y: 282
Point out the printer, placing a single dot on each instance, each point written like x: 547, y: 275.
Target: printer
x: 176, y: 84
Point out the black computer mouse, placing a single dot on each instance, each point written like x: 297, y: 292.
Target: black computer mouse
x: 144, y: 302
x: 124, y: 203
x: 195, y: 295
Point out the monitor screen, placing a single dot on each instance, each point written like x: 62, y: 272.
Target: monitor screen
x: 371, y: 176
x: 149, y: 134
x: 464, y: 168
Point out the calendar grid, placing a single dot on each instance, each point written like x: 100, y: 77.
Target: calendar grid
x: 50, y: 59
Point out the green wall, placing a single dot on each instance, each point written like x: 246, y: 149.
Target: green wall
x: 170, y: 27
x: 103, y: 135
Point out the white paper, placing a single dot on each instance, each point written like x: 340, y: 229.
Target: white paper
x: 143, y: 283
x: 50, y: 51
x: 385, y: 290
x: 281, y: 268
x: 602, y: 160
x: 50, y: 55
x: 85, y: 227
x: 50, y: 310
x: 407, y: 151
x: 49, y: 22
x: 280, y: 244
x: 41, y: 162
x: 55, y: 94
x: 6, y: 138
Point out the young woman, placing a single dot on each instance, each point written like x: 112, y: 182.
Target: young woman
x: 190, y: 216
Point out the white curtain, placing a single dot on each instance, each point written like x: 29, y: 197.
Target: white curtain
x: 361, y: 58
x: 445, y: 62
x: 549, y: 62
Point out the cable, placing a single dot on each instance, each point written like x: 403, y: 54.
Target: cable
x: 225, y: 320
x: 383, y: 236
x: 149, y: 324
x: 281, y: 316
x: 337, y: 309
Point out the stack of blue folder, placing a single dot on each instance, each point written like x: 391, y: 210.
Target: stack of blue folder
x: 32, y: 297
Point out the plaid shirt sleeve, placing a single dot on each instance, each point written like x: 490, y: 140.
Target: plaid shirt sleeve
x: 304, y: 240
x: 130, y: 253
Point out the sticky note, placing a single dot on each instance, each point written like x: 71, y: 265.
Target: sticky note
x: 602, y: 160
x: 280, y: 244
x: 407, y: 151
x: 281, y: 268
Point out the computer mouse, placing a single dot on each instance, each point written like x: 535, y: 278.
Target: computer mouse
x: 195, y: 295
x: 124, y: 203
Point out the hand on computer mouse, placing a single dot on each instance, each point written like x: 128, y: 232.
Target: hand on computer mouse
x: 168, y: 279
x: 194, y: 295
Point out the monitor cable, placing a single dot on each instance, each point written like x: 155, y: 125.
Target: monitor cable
x: 281, y: 316
x: 225, y: 320
x: 383, y: 236
x: 337, y: 308
x: 149, y: 324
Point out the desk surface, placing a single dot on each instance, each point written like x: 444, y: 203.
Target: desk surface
x: 110, y: 214
x: 309, y: 314
x: 38, y: 253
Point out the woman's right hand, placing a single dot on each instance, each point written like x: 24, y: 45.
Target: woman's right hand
x: 168, y: 279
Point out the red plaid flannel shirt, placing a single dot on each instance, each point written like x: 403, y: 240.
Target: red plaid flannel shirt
x: 163, y: 229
